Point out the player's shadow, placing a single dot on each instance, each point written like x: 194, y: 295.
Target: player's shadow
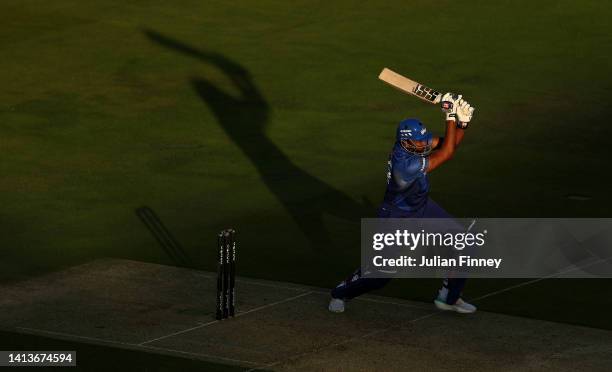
x: 244, y: 118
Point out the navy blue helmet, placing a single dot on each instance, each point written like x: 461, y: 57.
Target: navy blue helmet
x: 411, y: 130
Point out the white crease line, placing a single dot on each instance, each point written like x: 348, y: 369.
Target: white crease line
x: 217, y: 321
x: 275, y: 303
x: 365, y: 298
x: 508, y: 288
x: 95, y: 339
x: 179, y: 332
x: 271, y: 285
x: 421, y: 306
x: 551, y: 276
x: 207, y: 357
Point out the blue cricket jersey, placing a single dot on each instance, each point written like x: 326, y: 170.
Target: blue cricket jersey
x: 407, y: 182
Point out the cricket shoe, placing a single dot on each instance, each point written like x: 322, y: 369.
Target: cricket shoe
x: 336, y: 305
x: 460, y: 306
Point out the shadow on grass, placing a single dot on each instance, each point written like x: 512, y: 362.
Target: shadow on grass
x: 166, y: 240
x: 244, y: 118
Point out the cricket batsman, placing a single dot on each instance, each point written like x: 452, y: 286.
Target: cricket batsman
x: 415, y: 154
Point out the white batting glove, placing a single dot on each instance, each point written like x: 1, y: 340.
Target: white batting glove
x: 464, y: 114
x: 449, y: 104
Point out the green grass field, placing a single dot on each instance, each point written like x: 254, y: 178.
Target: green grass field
x: 269, y: 117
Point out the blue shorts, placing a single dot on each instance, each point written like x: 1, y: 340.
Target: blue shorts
x: 431, y: 210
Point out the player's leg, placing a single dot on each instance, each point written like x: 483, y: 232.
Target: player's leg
x: 455, y: 288
x: 355, y: 285
x: 449, y: 296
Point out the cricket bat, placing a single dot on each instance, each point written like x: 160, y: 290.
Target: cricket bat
x: 410, y: 86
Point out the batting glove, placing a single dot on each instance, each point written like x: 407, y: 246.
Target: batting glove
x: 449, y: 104
x: 464, y: 114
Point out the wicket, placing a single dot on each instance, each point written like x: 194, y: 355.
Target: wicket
x: 226, y: 275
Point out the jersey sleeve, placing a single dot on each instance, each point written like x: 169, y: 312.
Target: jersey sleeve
x: 405, y: 171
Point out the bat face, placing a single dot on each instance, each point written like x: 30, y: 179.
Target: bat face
x: 409, y: 86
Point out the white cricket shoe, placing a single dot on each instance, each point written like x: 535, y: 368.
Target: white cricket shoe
x: 336, y: 305
x: 460, y: 306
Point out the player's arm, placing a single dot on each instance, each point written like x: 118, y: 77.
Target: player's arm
x: 446, y: 150
x: 459, y: 111
x: 437, y: 142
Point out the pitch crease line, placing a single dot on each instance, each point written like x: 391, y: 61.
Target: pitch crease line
x: 217, y: 321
